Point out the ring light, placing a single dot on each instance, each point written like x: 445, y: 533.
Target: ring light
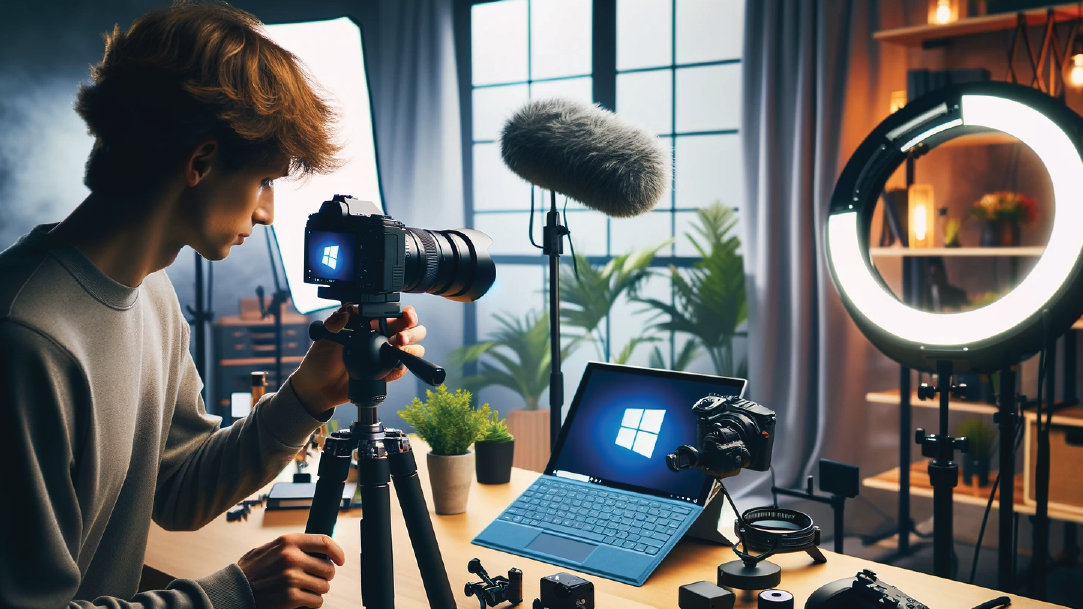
x: 1010, y: 328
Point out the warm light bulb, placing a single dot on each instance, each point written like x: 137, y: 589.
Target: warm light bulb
x: 921, y: 223
x: 943, y: 11
x: 1075, y: 73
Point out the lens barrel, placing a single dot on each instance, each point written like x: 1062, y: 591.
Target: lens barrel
x: 455, y: 264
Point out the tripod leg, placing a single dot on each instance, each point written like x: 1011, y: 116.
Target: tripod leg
x: 418, y: 523
x: 377, y: 559
x: 334, y: 467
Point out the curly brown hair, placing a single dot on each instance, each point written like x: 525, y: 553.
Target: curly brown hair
x: 191, y: 71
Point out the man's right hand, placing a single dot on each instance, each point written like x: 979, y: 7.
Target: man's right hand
x: 284, y: 574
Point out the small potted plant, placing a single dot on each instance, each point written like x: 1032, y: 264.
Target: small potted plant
x: 1002, y: 213
x: 449, y: 425
x: 495, y: 449
x: 979, y: 435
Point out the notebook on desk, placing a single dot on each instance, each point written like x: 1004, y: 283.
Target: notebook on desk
x: 607, y: 503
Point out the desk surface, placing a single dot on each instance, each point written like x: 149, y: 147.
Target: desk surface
x: 196, y: 554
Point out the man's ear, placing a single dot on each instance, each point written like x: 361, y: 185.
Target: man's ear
x: 199, y: 161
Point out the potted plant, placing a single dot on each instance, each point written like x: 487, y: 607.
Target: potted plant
x: 1002, y: 213
x: 449, y: 425
x: 517, y: 357
x: 979, y: 435
x: 494, y: 449
x: 709, y: 298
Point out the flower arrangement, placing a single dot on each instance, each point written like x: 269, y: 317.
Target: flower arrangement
x: 1006, y: 205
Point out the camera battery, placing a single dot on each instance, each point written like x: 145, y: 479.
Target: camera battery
x: 704, y: 595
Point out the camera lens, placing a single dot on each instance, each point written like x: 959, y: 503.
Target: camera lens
x: 454, y: 264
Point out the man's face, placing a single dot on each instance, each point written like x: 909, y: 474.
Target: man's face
x: 227, y: 205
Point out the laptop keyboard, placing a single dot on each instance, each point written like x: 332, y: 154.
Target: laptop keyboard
x: 623, y: 521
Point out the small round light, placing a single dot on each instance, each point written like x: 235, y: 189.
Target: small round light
x: 1041, y: 306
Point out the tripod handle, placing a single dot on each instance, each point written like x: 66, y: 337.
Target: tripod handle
x: 423, y: 369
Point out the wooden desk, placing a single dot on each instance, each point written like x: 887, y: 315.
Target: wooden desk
x: 195, y: 554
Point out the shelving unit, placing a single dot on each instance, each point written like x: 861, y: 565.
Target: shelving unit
x: 926, y: 34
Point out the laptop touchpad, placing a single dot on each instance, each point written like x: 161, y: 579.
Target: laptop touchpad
x: 569, y: 549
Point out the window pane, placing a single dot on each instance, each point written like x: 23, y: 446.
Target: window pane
x: 493, y: 106
x: 709, y: 30
x: 646, y: 99
x: 511, y: 232
x: 630, y: 319
x: 709, y: 169
x: 589, y: 233
x: 495, y: 186
x: 645, y: 230
x: 708, y: 98
x: 517, y: 290
x: 685, y: 223
x: 644, y: 34
x: 498, y: 42
x: 573, y: 88
x: 560, y: 38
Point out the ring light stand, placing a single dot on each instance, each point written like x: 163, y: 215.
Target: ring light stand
x: 994, y: 336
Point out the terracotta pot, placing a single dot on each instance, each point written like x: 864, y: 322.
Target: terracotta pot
x: 450, y: 477
x: 531, y: 431
x: 494, y: 461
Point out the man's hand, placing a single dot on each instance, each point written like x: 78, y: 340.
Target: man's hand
x: 321, y: 381
x: 284, y: 575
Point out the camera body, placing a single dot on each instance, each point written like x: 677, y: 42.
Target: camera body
x: 362, y: 256
x: 864, y: 591
x: 731, y: 434
x: 565, y: 591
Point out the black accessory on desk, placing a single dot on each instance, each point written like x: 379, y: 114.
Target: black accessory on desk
x: 607, y: 503
x: 496, y: 590
x: 704, y: 595
x: 775, y: 599
x: 768, y: 530
x: 864, y: 591
x: 565, y: 591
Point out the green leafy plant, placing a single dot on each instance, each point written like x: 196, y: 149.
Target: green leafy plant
x: 588, y: 296
x: 446, y: 421
x: 709, y: 298
x: 979, y: 435
x: 496, y: 429
x: 516, y: 356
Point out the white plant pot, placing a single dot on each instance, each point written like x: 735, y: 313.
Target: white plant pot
x: 450, y: 477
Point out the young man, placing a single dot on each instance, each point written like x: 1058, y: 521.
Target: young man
x: 195, y: 114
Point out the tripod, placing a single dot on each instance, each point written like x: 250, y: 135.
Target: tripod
x: 383, y: 455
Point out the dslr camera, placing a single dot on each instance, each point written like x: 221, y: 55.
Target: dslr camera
x: 361, y: 256
x: 731, y: 434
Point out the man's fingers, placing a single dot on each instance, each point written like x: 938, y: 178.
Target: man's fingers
x: 407, y: 320
x: 338, y: 320
x: 319, y: 544
x: 408, y: 336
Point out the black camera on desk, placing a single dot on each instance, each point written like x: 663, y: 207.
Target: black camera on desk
x: 731, y: 434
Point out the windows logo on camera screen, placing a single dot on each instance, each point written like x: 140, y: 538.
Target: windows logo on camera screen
x: 330, y: 255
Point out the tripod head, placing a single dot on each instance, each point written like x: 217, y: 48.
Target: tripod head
x: 368, y: 358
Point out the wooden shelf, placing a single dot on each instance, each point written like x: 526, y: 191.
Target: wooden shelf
x: 958, y: 252
x: 921, y: 35
x: 892, y: 397
x: 968, y: 495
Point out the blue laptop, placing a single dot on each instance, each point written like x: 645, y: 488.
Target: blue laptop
x: 607, y: 504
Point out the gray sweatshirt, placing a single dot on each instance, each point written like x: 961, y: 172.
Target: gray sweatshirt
x: 102, y: 427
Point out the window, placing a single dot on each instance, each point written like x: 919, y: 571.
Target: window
x: 639, y: 430
x: 670, y: 66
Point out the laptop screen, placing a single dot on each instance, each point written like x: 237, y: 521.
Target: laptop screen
x: 623, y: 422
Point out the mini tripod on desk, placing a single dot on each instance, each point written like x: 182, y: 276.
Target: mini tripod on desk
x: 384, y: 455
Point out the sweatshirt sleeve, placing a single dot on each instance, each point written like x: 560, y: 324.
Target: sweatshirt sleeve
x: 206, y: 469
x: 43, y: 390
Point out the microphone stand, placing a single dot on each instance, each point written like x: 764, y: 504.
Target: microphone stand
x: 278, y: 298
x: 553, y: 246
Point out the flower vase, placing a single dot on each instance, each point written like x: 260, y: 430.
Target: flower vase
x: 1000, y: 233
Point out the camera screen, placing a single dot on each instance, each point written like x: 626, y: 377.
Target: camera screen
x: 330, y: 256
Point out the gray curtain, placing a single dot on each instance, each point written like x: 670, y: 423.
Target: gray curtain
x: 415, y: 99
x: 809, y: 82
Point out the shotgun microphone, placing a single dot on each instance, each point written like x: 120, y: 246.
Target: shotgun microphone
x: 587, y: 153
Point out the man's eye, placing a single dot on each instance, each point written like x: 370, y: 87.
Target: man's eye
x: 268, y: 183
